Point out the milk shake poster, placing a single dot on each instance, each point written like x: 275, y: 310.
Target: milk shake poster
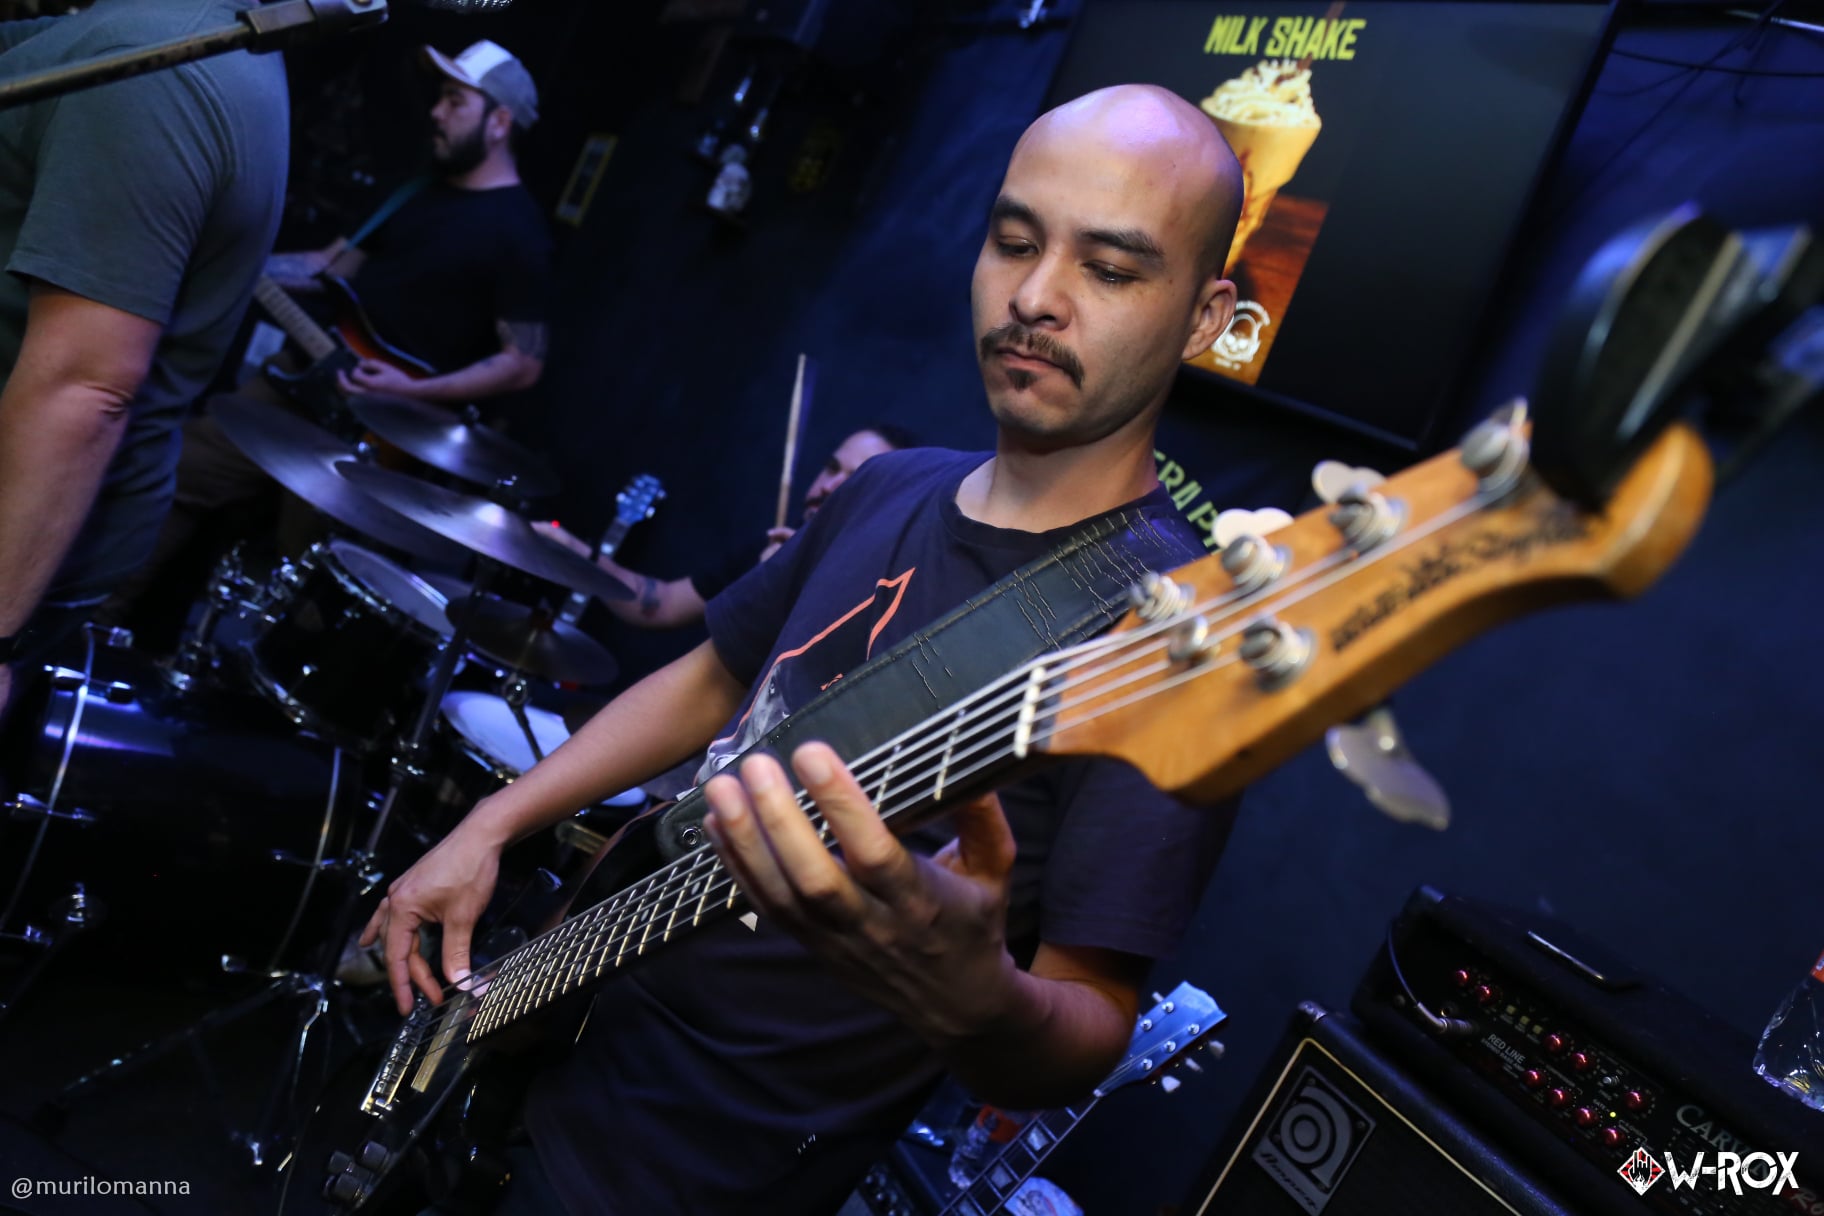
x: 1388, y: 149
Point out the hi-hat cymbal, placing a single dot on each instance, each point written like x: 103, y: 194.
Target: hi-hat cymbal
x: 486, y: 528
x: 532, y: 641
x: 302, y: 458
x: 454, y: 443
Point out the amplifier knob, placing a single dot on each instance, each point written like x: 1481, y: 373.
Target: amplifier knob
x: 1485, y: 994
x: 1634, y: 1100
x: 1555, y: 1043
x: 1613, y: 1137
x: 1581, y: 1061
x: 1558, y: 1096
x: 1532, y: 1078
x: 1584, y: 1117
x: 1461, y: 977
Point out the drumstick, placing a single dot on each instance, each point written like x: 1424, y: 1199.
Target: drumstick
x: 794, y: 423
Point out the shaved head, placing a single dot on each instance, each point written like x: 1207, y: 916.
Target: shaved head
x: 1170, y: 141
x: 1102, y: 268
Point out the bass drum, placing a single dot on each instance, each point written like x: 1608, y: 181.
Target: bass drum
x: 200, y: 815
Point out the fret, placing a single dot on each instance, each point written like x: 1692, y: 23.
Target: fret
x: 664, y: 893
x: 949, y: 753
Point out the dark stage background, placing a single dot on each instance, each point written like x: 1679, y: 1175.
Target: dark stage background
x: 1648, y: 771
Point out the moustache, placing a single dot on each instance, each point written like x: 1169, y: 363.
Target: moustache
x: 1034, y: 343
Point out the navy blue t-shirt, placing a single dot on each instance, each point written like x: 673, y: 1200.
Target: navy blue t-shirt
x: 730, y: 1073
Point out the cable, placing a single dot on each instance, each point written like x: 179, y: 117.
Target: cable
x: 1454, y: 1028
x: 1707, y: 67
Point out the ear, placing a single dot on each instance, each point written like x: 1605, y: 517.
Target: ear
x: 1215, y: 308
x: 500, y: 122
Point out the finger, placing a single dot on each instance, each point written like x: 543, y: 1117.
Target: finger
x: 874, y: 856
x: 456, y: 937
x: 401, y: 946
x: 821, y: 884
x: 742, y: 843
x: 985, y: 844
x: 344, y: 383
x: 423, y: 976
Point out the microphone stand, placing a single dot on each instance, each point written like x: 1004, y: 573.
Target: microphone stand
x: 267, y: 27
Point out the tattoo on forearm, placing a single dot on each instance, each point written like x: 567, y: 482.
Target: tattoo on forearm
x: 649, y: 595
x: 529, y: 338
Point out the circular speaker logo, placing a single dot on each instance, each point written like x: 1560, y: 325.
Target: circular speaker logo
x: 1311, y: 1139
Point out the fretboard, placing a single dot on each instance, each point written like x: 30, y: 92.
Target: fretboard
x: 297, y: 324
x: 1017, y: 1161
x: 907, y: 778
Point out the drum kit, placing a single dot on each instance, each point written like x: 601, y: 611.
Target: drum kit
x: 308, y: 738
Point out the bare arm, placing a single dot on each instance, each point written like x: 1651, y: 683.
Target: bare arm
x: 645, y: 730
x: 518, y: 365
x: 657, y: 603
x: 925, y: 937
x: 62, y: 414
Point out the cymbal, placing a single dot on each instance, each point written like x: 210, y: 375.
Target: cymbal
x: 532, y: 641
x: 484, y: 527
x: 302, y: 458
x: 448, y: 440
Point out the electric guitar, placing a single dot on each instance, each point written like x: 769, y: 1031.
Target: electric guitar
x: 1226, y: 667
x: 349, y: 339
x: 1164, y: 1035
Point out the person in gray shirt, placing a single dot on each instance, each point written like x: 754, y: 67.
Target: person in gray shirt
x: 134, y: 218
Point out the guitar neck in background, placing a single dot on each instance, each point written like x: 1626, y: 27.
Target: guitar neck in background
x: 298, y: 325
x: 611, y: 541
x: 1018, y: 1160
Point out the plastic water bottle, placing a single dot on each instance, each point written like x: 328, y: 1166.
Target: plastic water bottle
x: 992, y: 1128
x: 1791, y: 1055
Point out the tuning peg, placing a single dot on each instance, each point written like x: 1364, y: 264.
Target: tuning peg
x: 1332, y: 478
x: 1366, y: 517
x: 1169, y: 1083
x: 1253, y: 563
x: 1496, y: 450
x: 1374, y: 756
x: 1235, y: 523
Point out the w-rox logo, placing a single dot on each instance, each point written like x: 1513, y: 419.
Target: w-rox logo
x: 1732, y: 1171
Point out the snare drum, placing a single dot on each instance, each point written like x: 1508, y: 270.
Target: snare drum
x: 345, y: 642
x: 483, y: 748
x: 203, y: 808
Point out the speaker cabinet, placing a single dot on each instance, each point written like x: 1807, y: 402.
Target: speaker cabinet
x: 1333, y: 1128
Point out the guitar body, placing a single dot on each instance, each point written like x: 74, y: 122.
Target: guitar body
x: 351, y: 324
x: 349, y: 338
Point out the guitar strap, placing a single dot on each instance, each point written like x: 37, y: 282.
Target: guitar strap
x: 1065, y: 597
x: 384, y: 212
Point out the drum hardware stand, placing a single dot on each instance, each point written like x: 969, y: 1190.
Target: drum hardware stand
x: 515, y: 691
x: 69, y: 918
x: 229, y: 588
x: 270, y: 1141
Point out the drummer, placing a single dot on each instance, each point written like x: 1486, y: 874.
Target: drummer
x: 674, y: 603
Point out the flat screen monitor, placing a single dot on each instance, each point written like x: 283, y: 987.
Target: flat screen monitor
x: 1391, y: 149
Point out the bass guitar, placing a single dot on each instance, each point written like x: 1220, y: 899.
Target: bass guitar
x: 1226, y: 668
